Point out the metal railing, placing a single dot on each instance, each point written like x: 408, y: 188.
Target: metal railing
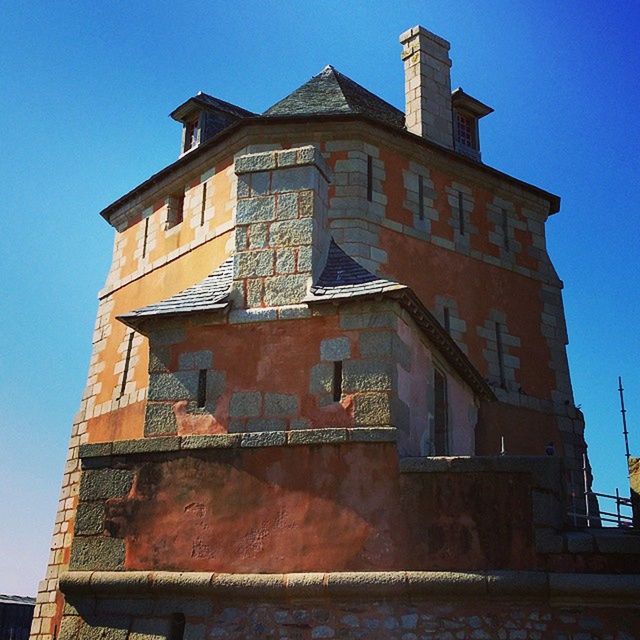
x: 615, y: 512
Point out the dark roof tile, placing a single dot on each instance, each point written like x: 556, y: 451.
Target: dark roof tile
x: 331, y: 92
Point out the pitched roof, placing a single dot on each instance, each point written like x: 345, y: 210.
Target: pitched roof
x: 343, y: 277
x: 210, y: 102
x: 331, y: 92
x: 209, y: 294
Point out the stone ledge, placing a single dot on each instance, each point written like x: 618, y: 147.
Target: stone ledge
x: 164, y: 444
x: 546, y: 470
x: 557, y: 588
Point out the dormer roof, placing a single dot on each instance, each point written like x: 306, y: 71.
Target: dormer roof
x: 205, y: 101
x: 462, y: 100
x: 331, y: 92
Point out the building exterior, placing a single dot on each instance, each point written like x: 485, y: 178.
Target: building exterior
x: 16, y: 613
x: 321, y: 327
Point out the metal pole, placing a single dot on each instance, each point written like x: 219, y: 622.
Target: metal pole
x: 623, y: 411
x: 574, y: 506
x: 618, y: 506
x: 586, y: 489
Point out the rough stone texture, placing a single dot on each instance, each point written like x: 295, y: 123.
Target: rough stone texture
x: 280, y: 404
x: 159, y: 419
x: 102, y: 484
x: 245, y: 404
x: 181, y: 385
x: 366, y: 375
x: 333, y: 349
x: 97, y: 553
x: 89, y: 518
x: 195, y: 360
x: 373, y: 409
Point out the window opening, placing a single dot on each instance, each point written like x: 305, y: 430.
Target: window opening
x: 503, y: 382
x: 146, y: 237
x: 465, y: 127
x: 175, y: 210
x: 447, y: 320
x: 176, y: 627
x: 461, y: 212
x: 369, y: 178
x: 191, y: 135
x: 440, y: 431
x: 505, y: 229
x: 202, y: 388
x: 337, y: 380
x: 127, y: 362
x: 204, y: 203
x: 421, y: 197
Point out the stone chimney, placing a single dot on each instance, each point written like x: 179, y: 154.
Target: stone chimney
x: 427, y: 85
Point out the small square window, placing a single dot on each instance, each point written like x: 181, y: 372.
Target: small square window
x: 191, y: 134
x: 466, y: 130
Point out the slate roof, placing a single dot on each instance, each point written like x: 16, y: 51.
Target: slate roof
x: 343, y: 277
x: 331, y: 92
x: 208, y: 295
x: 26, y: 600
x: 211, y: 102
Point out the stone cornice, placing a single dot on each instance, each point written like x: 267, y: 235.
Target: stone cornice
x: 559, y: 589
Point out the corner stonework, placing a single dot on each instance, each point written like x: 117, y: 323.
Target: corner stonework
x: 281, y: 238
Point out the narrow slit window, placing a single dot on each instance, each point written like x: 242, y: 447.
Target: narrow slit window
x: 127, y: 363
x: 421, y: 197
x: 337, y: 380
x: 204, y: 203
x: 505, y: 229
x: 202, y: 388
x: 369, y: 178
x: 440, y: 418
x: 461, y: 212
x: 176, y: 627
x: 447, y: 319
x: 500, y: 350
x: 146, y: 237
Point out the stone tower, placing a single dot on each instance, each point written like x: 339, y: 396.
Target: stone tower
x: 319, y: 326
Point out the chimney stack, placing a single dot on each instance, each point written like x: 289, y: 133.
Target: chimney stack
x: 427, y: 85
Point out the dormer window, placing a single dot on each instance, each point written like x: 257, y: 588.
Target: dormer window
x: 467, y: 112
x: 466, y: 130
x: 191, y: 134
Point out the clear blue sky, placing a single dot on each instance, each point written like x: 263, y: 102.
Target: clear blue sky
x: 85, y: 89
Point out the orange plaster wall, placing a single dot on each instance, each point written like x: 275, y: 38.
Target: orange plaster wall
x: 477, y: 288
x: 319, y: 508
x: 152, y: 287
x: 271, y: 357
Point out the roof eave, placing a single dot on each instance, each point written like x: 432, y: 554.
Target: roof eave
x: 138, y: 322
x: 554, y: 200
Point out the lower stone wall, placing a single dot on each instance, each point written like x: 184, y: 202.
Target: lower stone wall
x: 373, y: 620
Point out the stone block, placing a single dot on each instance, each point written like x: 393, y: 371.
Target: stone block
x: 333, y: 349
x: 159, y: 358
x: 213, y: 441
x: 89, y: 518
x: 265, y: 424
x: 146, y: 445
x: 547, y: 510
x: 287, y: 206
x: 579, y: 542
x: 291, y: 233
x: 97, y: 553
x: 159, y: 419
x: 285, y: 290
x: 264, y: 439
x: 195, y: 360
x: 250, y: 264
x: 245, y: 316
x: 167, y: 336
x: 254, y: 162
x: 285, y: 261
x: 548, y: 541
x: 258, y: 235
x: 317, y: 436
x: 295, y: 179
x: 367, y: 320
x: 150, y: 629
x: 376, y: 344
x: 257, y: 209
x: 372, y: 409
x: 321, y: 378
x: 95, y: 450
x: 245, y: 404
x: 103, y: 484
x: 366, y: 375
x: 181, y: 385
x: 280, y: 405
x: 372, y: 434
